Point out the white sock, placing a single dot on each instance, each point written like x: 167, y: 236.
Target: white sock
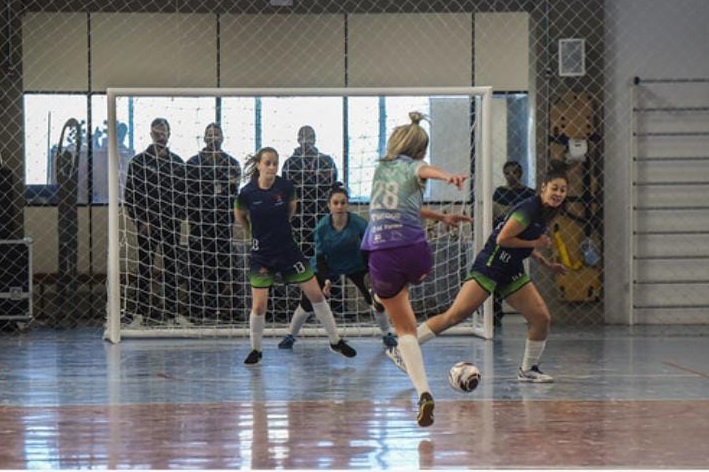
x: 382, y: 321
x: 324, y: 315
x: 413, y: 359
x: 424, y: 333
x: 300, y: 316
x: 256, y: 325
x: 532, y: 353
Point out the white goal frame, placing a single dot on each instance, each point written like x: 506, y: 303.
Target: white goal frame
x: 482, y: 204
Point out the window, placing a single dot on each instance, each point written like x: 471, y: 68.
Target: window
x: 251, y: 122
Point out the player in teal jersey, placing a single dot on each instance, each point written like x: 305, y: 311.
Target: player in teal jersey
x: 338, y: 237
x: 265, y: 206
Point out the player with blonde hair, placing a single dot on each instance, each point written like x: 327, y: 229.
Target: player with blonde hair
x: 395, y: 240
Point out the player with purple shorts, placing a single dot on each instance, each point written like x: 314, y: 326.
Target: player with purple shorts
x: 395, y: 239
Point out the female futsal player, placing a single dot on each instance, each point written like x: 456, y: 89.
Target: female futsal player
x: 395, y: 240
x: 499, y: 267
x: 265, y: 206
x: 338, y: 237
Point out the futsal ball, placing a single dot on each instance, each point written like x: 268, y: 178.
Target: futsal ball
x: 464, y: 376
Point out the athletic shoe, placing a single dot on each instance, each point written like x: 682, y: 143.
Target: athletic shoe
x: 425, y: 416
x: 287, y: 342
x: 534, y: 375
x: 254, y: 357
x: 343, y: 348
x: 389, y: 340
x: 395, y: 356
x: 378, y: 307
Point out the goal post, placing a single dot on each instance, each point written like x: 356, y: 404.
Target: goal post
x: 359, y: 120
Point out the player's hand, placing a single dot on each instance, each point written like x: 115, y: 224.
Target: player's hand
x: 327, y: 288
x: 542, y: 241
x: 453, y: 219
x: 458, y: 180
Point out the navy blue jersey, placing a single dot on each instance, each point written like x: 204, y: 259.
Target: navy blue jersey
x: 510, y: 197
x: 340, y: 249
x: 531, y: 215
x: 271, y: 232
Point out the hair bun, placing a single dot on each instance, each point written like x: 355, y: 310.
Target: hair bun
x: 416, y: 117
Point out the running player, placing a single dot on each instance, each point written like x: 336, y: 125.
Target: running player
x: 498, y: 267
x: 395, y: 239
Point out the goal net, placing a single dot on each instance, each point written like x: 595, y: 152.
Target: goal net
x: 178, y: 262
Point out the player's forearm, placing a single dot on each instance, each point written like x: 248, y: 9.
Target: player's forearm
x: 432, y: 172
x: 429, y: 214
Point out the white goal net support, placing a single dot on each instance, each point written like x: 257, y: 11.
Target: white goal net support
x: 185, y: 273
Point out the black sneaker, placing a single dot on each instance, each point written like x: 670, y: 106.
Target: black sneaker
x: 287, y: 342
x: 425, y: 416
x: 389, y: 340
x: 254, y: 357
x: 343, y: 348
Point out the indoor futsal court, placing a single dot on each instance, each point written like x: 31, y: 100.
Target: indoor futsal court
x: 623, y: 398
x: 142, y: 236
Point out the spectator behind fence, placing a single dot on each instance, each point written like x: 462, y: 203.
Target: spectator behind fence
x: 212, y: 186
x: 155, y: 201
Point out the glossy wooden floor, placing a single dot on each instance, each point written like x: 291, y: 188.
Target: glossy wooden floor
x: 623, y: 398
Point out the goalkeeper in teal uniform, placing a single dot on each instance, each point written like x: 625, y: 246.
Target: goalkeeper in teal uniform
x: 338, y: 237
x: 265, y: 206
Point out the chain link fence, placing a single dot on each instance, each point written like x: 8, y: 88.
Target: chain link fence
x: 564, y: 77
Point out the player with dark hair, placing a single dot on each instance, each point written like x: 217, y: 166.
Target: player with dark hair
x: 395, y: 240
x: 212, y: 185
x: 265, y: 206
x: 154, y: 198
x: 338, y: 237
x: 504, y: 199
x: 499, y: 267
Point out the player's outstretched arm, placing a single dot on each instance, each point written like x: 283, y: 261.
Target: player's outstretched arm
x: 432, y: 172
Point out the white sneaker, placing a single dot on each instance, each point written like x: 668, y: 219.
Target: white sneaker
x: 395, y: 356
x: 181, y: 320
x: 136, y: 323
x: 534, y: 375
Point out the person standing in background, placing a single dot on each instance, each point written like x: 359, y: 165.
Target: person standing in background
x: 154, y: 198
x: 212, y: 186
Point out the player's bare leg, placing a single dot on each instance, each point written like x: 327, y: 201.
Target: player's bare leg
x: 528, y: 302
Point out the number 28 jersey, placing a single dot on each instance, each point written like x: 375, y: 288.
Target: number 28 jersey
x: 395, y: 205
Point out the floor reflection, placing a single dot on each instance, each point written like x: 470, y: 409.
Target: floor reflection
x: 69, y: 400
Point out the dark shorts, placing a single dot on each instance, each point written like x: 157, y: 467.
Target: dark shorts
x: 390, y: 270
x: 293, y: 267
x: 505, y: 279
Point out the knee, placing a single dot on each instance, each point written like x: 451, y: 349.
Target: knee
x: 258, y: 309
x: 541, y: 320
